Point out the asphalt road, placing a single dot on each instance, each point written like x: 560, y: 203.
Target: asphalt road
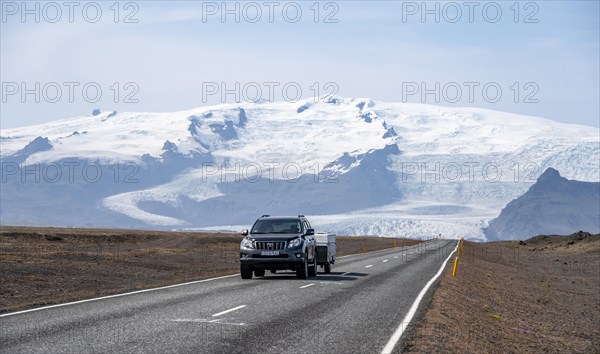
x: 354, y: 309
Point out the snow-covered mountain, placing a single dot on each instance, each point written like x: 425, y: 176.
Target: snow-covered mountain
x: 356, y: 166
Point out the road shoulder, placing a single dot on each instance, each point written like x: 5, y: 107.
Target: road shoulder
x: 539, y: 296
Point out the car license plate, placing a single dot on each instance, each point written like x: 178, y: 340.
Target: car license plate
x: 269, y: 253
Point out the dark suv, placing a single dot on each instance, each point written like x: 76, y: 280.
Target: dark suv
x: 278, y: 243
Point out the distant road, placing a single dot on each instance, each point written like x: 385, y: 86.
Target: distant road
x: 355, y: 309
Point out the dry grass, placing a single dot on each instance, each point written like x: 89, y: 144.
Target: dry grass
x: 539, y: 296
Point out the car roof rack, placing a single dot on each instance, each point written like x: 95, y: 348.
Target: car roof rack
x: 265, y: 216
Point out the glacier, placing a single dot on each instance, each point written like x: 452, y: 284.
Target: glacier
x: 354, y: 166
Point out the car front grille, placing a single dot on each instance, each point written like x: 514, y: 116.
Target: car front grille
x: 270, y: 245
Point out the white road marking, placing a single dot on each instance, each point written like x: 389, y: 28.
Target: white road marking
x: 307, y: 285
x: 228, y: 311
x: 202, y: 320
x: 369, y: 266
x: 385, y: 260
x: 116, y: 295
x: 395, y: 256
x: 389, y: 347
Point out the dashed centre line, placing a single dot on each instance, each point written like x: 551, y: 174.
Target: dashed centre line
x: 307, y: 285
x: 228, y: 311
x: 369, y: 266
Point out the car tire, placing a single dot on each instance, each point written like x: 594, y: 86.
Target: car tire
x: 312, y: 271
x: 246, y: 272
x: 327, y: 268
x: 259, y: 272
x: 302, y: 270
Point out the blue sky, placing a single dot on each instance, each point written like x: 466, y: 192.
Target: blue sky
x: 377, y: 49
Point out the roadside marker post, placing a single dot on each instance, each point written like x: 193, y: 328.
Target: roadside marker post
x: 455, y: 266
x: 458, y: 252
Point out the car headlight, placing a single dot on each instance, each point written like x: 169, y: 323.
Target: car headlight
x: 247, y: 243
x: 295, y: 243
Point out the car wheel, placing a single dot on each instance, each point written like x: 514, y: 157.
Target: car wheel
x: 246, y: 272
x: 302, y: 271
x: 259, y: 272
x: 312, y: 271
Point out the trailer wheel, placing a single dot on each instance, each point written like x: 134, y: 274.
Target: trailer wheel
x: 327, y: 268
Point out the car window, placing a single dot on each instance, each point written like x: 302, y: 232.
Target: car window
x: 277, y: 226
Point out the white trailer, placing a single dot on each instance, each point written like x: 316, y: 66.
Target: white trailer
x: 325, y: 250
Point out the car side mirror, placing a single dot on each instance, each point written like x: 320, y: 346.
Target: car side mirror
x: 310, y: 232
x: 245, y: 232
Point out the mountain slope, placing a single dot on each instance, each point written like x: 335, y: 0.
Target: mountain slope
x: 391, y: 166
x: 553, y: 205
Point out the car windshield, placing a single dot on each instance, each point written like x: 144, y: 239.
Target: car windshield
x: 277, y: 226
